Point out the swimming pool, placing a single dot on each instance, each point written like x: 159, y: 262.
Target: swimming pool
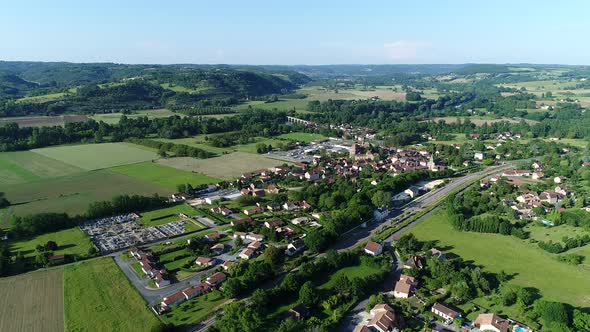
x: 519, y: 329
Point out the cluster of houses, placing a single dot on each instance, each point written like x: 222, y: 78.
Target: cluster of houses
x: 484, y: 322
x: 383, y: 317
x: 528, y: 200
x: 394, y: 160
x: 212, y: 282
x: 148, y: 266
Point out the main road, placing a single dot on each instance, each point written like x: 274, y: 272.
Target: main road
x: 359, y: 235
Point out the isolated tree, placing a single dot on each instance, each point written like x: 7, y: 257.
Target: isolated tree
x: 239, y: 242
x: 308, y: 295
x: 381, y: 198
x: 181, y: 188
x: 231, y: 288
x: 51, y: 246
x: 289, y: 283
x: 581, y: 320
x: 274, y: 255
x: 3, y: 201
x: 92, y: 251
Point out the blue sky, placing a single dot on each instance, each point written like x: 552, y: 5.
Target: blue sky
x: 296, y: 32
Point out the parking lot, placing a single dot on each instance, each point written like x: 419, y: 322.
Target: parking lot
x: 305, y: 153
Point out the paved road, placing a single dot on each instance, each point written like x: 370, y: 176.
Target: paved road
x: 360, y: 235
x: 357, y: 314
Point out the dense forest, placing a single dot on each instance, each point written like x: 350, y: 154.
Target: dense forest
x: 100, y: 88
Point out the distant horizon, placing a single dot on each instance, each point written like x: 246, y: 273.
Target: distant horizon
x: 300, y: 64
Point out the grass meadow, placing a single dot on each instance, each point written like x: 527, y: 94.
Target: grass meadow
x: 351, y: 272
x: 32, y: 301
x: 98, y: 156
x: 200, y: 142
x: 529, y: 265
x: 163, y: 216
x: 302, y: 137
x: 195, y: 310
x: 113, y: 118
x: 70, y: 242
x: 98, y: 297
x: 163, y: 176
x: 226, y: 167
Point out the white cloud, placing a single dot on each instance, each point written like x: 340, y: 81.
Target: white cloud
x: 404, y: 50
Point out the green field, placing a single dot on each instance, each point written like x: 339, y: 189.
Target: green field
x: 113, y: 118
x: 163, y: 176
x: 281, y: 105
x: 42, y: 98
x: 163, y: 216
x: 319, y: 93
x: 73, y: 194
x: 98, y: 156
x: 26, y: 166
x: 98, y: 297
x: 70, y: 242
x: 580, y: 143
x: 200, y: 142
x: 456, y: 139
x: 227, y: 167
x: 530, y: 266
x: 357, y: 271
x: 195, y: 310
x: 302, y: 137
x: 555, y: 234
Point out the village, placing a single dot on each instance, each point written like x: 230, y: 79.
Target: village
x: 239, y: 232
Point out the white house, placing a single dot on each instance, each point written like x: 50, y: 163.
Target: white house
x: 211, y: 200
x: 478, y: 156
x: 373, y: 248
x: 404, y: 287
x: 491, y: 322
x: 444, y: 312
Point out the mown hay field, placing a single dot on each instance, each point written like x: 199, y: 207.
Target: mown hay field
x: 227, y: 167
x: 32, y: 302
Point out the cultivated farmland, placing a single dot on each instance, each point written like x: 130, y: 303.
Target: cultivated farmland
x: 530, y: 266
x: 41, y: 121
x: 98, y: 297
x: 225, y: 167
x: 32, y: 302
x: 26, y: 166
x: 98, y: 156
x: 163, y: 176
x: 73, y: 193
